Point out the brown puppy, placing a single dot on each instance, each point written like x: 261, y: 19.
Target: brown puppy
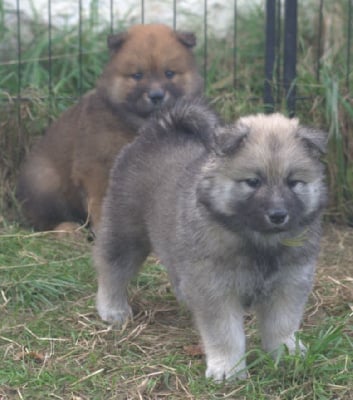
x: 65, y: 176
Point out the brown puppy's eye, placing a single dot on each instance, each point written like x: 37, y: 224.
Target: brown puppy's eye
x: 169, y: 74
x: 137, y: 76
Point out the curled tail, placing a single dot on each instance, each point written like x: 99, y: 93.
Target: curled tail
x: 193, y: 119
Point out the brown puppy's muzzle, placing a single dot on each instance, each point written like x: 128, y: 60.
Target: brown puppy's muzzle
x: 156, y: 96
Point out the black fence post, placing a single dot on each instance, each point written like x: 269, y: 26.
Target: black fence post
x: 290, y: 54
x: 19, y: 62
x: 349, y: 42
x: 205, y: 31
x: 319, y: 41
x: 235, y: 37
x: 270, y: 54
x: 80, y: 58
x: 50, y: 63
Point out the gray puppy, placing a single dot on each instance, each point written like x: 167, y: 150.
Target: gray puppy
x: 233, y: 212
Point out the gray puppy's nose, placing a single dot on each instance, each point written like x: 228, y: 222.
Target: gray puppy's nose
x: 278, y: 216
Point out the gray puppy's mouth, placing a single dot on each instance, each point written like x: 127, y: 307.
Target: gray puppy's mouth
x: 277, y: 217
x: 277, y: 220
x: 267, y: 224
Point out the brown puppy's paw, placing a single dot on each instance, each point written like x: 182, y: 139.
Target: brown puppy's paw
x: 70, y: 229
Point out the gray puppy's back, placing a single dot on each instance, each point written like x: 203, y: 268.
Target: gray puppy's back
x: 151, y: 173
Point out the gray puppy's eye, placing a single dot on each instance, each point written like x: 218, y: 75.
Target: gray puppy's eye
x: 254, y: 183
x: 293, y: 183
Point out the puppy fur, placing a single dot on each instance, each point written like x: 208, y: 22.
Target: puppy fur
x: 233, y: 212
x: 65, y: 175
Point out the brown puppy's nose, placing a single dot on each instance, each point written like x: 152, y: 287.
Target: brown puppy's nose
x: 156, y: 95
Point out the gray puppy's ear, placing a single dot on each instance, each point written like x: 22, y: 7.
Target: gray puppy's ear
x: 229, y: 138
x: 315, y: 139
x: 114, y: 42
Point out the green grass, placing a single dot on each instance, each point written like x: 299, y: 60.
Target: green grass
x: 39, y: 273
x: 53, y: 344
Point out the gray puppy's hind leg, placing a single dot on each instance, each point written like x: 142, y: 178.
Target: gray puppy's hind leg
x: 116, y: 261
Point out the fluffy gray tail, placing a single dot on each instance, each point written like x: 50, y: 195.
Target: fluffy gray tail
x: 193, y: 119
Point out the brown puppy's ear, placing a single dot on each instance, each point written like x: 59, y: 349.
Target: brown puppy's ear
x: 114, y: 42
x: 315, y: 139
x: 230, y: 137
x: 188, y: 39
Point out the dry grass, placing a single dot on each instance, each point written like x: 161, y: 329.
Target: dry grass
x: 61, y: 349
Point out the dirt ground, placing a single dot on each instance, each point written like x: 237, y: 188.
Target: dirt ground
x: 333, y: 289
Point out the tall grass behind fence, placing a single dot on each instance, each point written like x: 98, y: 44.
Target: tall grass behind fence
x: 45, y: 66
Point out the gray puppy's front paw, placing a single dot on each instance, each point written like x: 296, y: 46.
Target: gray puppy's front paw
x: 220, y: 371
x: 114, y: 315
x: 293, y: 346
x: 112, y: 312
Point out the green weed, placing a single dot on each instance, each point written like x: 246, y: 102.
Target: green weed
x: 53, y: 344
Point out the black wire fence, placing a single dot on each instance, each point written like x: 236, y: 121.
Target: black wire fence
x: 279, y: 54
x: 269, y: 55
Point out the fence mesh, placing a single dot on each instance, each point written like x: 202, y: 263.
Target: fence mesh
x: 287, y: 55
x: 279, y: 54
